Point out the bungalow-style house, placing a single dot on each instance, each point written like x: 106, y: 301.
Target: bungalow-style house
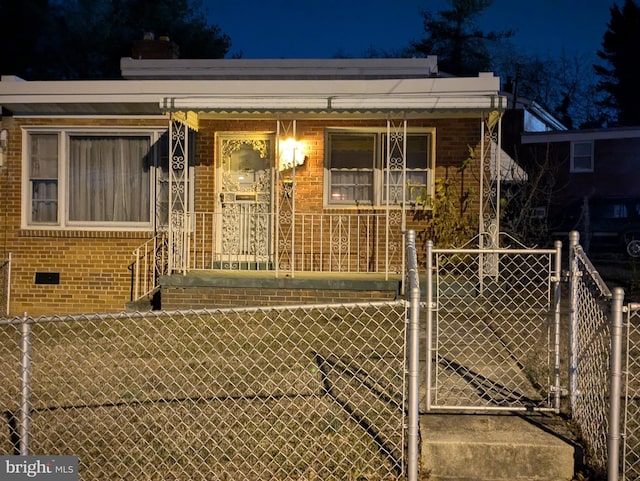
x: 233, y: 182
x: 597, y: 174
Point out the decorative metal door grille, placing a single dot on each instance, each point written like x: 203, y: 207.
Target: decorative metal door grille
x: 246, y: 202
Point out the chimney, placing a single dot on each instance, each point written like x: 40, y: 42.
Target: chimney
x: 150, y: 48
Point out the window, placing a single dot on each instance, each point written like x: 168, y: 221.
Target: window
x: 366, y: 167
x: 90, y: 178
x: 582, y: 157
x: 610, y: 210
x: 43, y: 177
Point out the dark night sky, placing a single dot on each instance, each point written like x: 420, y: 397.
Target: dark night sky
x: 322, y: 29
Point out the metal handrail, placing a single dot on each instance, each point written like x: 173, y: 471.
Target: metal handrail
x: 150, y: 262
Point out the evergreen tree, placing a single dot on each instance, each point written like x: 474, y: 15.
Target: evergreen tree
x: 619, y: 79
x: 26, y: 28
x: 461, y: 47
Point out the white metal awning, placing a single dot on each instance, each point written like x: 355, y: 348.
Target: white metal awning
x: 148, y: 97
x: 333, y: 103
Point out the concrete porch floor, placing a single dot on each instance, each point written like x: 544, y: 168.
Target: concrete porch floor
x: 252, y: 277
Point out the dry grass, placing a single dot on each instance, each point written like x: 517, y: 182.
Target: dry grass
x: 286, y: 394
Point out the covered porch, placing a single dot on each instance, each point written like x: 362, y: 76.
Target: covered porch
x: 271, y: 206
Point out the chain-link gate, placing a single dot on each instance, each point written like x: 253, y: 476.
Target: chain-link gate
x: 589, y: 355
x: 313, y: 392
x: 493, y: 329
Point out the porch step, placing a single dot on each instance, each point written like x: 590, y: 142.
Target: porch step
x: 473, y: 447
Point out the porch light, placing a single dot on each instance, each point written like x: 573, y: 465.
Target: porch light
x: 291, y: 154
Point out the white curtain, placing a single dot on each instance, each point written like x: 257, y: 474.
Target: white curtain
x: 353, y: 185
x: 109, y: 179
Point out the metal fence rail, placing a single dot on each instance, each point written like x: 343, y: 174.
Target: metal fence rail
x: 314, y: 392
x: 492, y: 328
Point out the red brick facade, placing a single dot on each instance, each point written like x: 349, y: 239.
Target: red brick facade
x: 227, y: 297
x: 94, y: 266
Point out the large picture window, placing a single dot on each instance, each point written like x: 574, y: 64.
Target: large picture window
x: 369, y: 167
x: 90, y: 179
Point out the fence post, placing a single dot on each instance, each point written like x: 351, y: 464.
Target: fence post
x: 25, y: 384
x: 8, y: 288
x: 574, y: 239
x: 557, y: 317
x: 615, y: 390
x: 429, y: 341
x: 413, y: 435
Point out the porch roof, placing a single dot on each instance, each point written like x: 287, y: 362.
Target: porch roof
x: 377, y: 91
x: 426, y: 95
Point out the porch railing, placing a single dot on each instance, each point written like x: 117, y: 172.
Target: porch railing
x: 150, y: 261
x: 370, y: 243
x: 300, y: 242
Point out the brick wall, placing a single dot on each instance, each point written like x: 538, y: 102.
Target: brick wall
x: 175, y: 298
x: 93, y: 266
x: 453, y: 138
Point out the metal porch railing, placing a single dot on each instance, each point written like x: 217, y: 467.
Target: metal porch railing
x: 344, y: 242
x: 150, y: 261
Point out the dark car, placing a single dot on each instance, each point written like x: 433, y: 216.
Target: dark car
x: 605, y: 224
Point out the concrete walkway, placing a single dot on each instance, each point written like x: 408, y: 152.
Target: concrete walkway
x: 477, y: 375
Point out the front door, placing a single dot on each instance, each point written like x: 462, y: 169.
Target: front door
x: 245, y: 186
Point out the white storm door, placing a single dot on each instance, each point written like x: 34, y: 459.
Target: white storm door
x: 245, y: 185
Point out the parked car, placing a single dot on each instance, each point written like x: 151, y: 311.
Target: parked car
x: 606, y: 224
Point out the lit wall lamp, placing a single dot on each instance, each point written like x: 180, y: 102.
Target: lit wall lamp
x: 4, y: 136
x: 291, y: 154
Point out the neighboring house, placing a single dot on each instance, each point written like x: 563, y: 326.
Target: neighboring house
x: 523, y: 117
x: 232, y: 182
x: 597, y: 174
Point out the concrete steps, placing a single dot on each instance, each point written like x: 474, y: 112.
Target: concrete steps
x: 493, y: 447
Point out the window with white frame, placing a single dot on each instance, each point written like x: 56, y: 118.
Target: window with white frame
x: 366, y: 167
x: 89, y: 178
x: 582, y: 156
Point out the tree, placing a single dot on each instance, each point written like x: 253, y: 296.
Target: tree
x: 564, y: 85
x: 85, y: 39
x: 620, y: 76
x: 25, y: 28
x: 461, y: 47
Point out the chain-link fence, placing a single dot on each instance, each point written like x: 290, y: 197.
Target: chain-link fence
x: 314, y: 392
x: 5, y: 284
x: 589, y: 355
x: 492, y: 328
x: 631, y: 414
x: 318, y: 392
